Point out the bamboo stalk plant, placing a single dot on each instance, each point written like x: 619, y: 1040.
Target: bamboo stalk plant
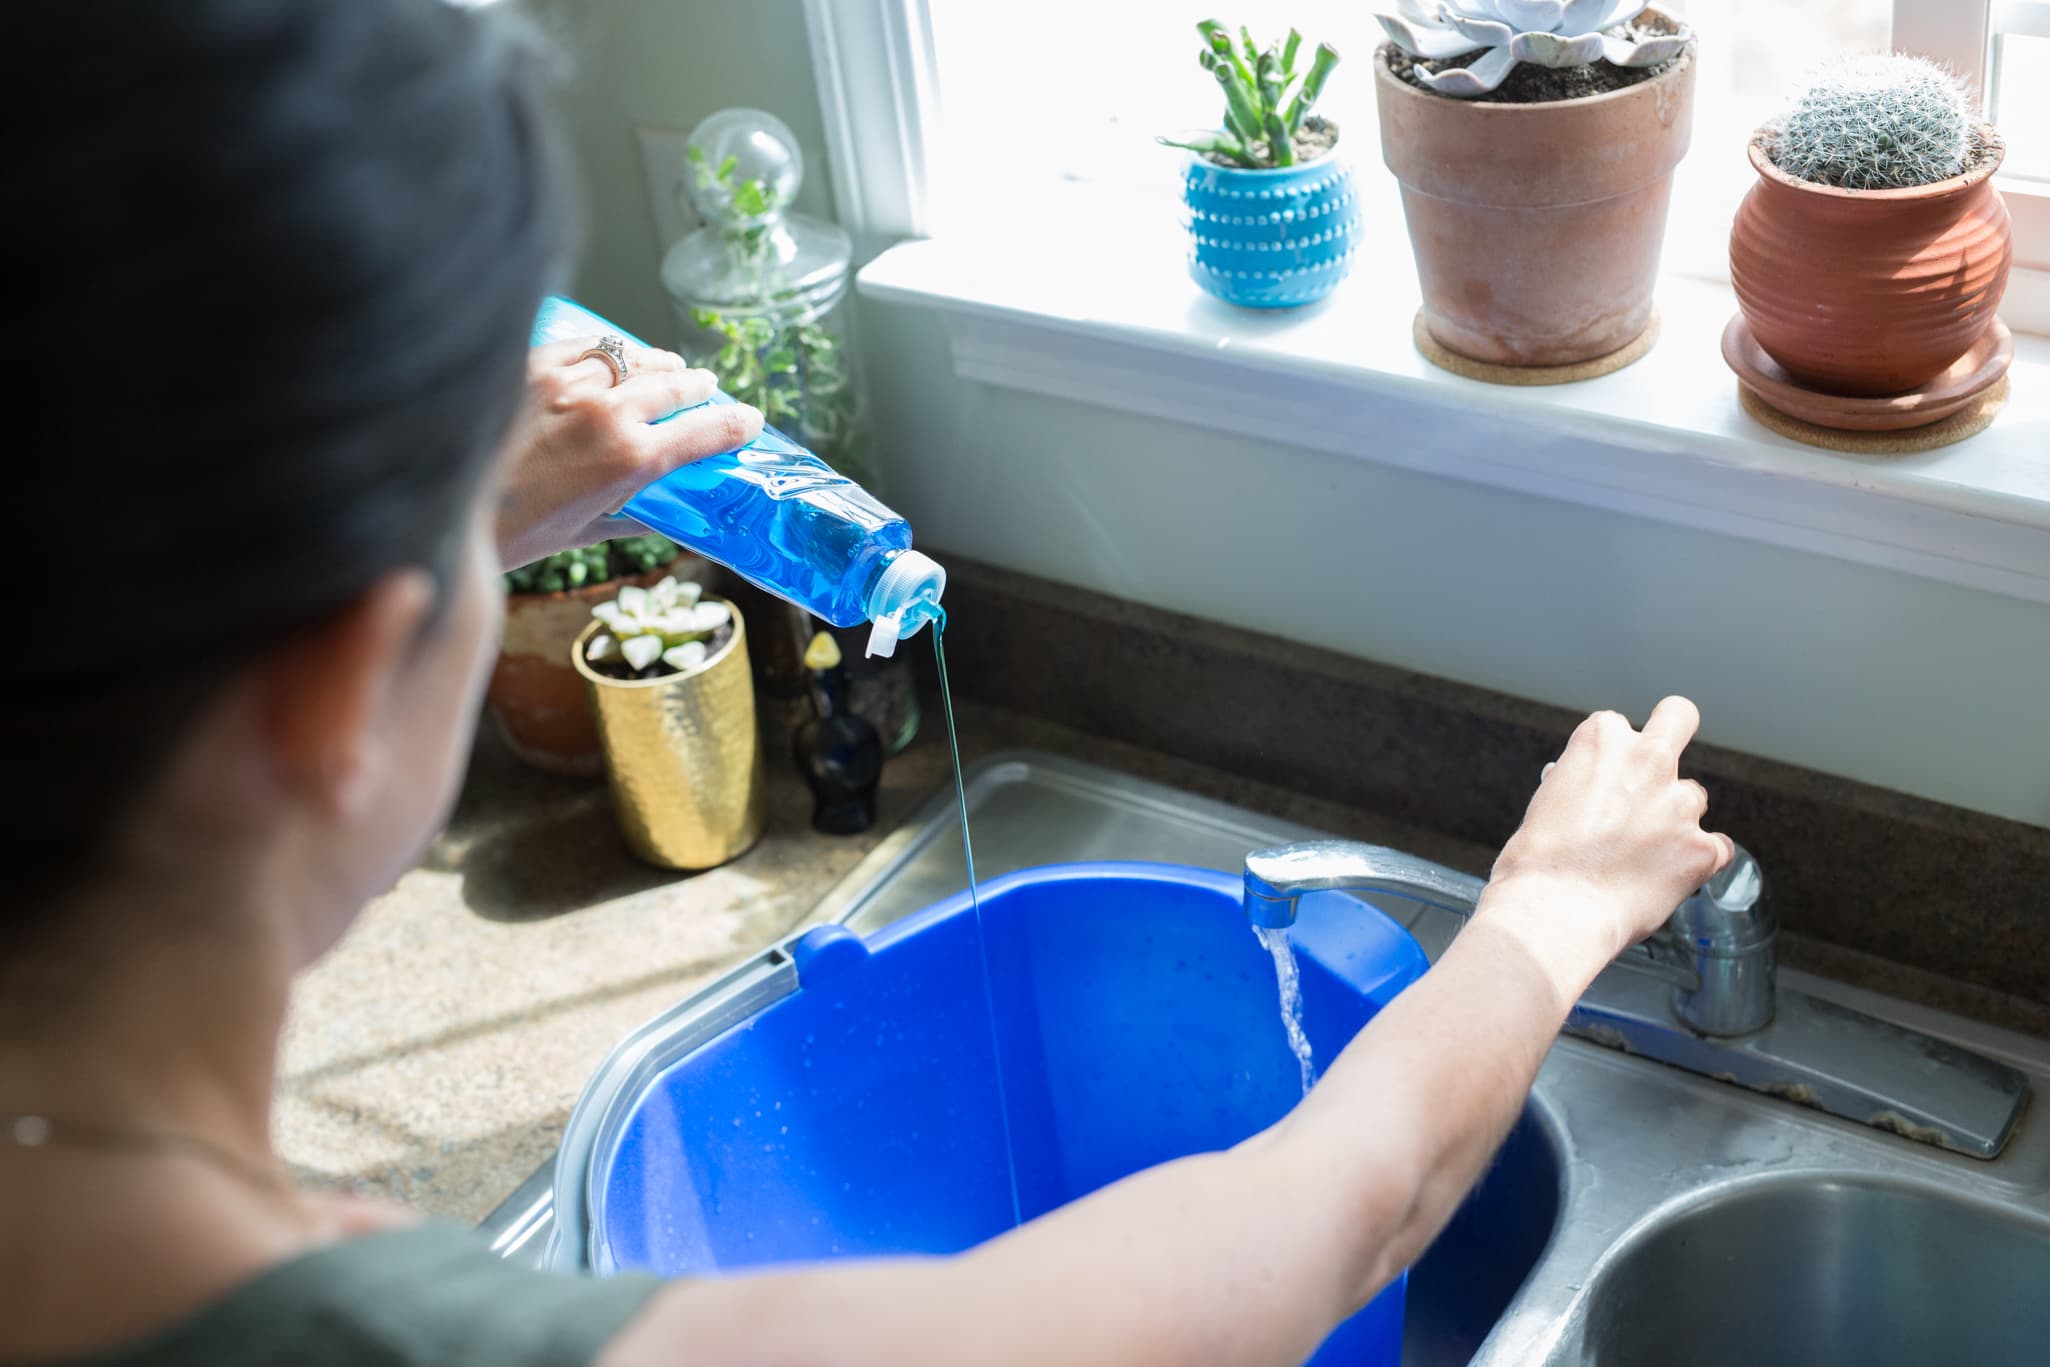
x: 1266, y: 100
x: 1272, y: 218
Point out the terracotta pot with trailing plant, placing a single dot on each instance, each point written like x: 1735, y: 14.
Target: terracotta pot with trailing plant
x: 1272, y: 218
x: 1535, y: 142
x: 1872, y: 254
x: 536, y: 698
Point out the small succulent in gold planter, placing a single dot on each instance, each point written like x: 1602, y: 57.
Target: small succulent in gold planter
x: 668, y: 674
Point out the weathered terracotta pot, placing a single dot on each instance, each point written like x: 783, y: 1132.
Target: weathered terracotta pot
x: 1870, y: 292
x: 536, y: 697
x: 1537, y: 227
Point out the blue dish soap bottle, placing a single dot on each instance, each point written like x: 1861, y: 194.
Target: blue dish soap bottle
x: 783, y: 519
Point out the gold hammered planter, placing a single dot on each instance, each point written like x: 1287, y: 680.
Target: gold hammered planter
x: 682, y: 755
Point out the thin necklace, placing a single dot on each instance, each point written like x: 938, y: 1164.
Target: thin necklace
x: 43, y: 1132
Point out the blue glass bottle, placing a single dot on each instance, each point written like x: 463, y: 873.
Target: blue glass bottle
x: 783, y: 519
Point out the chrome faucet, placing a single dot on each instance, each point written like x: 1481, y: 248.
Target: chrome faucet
x: 1702, y: 994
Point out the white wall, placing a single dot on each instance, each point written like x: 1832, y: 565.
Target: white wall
x: 1933, y: 690
x: 1914, y: 685
x: 668, y: 63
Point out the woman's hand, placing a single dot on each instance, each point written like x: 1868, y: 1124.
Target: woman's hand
x: 589, y: 446
x: 1612, y: 842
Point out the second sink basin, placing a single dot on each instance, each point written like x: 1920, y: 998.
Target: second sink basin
x: 1826, y: 1273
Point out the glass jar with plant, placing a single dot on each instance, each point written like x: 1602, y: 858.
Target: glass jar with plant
x: 758, y: 292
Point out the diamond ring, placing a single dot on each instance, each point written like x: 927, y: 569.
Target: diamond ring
x: 611, y: 349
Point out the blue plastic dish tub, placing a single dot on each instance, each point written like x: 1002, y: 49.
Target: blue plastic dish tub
x: 1271, y: 238
x: 1136, y: 1020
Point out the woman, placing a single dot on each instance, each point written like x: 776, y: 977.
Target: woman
x: 273, y: 264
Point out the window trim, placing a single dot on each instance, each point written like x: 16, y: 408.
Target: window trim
x: 878, y: 83
x: 1961, y: 34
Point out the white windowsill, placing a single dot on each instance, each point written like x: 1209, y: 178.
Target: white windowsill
x: 1089, y: 302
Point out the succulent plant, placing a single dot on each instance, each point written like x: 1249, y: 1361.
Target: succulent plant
x: 666, y: 623
x: 1264, y: 107
x: 1875, y: 122
x: 587, y: 565
x: 1555, y: 33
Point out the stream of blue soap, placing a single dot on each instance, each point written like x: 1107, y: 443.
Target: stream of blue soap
x: 939, y: 652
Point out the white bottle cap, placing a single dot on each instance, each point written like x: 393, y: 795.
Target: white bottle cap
x: 905, y: 598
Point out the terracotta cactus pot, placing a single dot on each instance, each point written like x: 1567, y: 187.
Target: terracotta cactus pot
x: 1870, y: 292
x: 1537, y: 227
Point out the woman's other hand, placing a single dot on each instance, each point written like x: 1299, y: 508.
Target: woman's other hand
x: 589, y: 445
x: 1611, y: 843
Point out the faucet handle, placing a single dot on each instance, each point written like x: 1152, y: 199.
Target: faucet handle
x: 1730, y: 914
x: 1724, y: 934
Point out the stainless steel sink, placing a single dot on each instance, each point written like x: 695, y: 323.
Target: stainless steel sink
x: 1823, y: 1272
x: 1637, y: 1215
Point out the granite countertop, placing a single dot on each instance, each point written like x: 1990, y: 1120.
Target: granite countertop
x: 433, y: 1057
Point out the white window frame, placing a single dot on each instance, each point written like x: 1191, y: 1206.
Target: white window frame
x: 878, y: 80
x: 1965, y: 36
x: 1977, y: 515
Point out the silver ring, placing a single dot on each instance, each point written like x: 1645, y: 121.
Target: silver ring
x: 611, y: 349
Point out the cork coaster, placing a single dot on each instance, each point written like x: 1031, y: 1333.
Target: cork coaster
x: 1440, y: 356
x: 1968, y: 421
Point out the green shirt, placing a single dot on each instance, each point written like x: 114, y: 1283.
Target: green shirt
x: 427, y: 1294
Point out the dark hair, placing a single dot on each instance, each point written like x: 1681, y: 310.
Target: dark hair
x: 271, y: 268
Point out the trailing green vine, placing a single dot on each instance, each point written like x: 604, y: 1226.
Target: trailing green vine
x: 797, y: 375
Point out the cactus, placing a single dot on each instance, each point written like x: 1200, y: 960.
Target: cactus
x: 1264, y: 107
x: 1875, y: 123
x: 665, y: 625
x: 1554, y: 33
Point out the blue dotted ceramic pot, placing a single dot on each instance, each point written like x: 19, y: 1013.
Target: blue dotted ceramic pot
x: 1271, y: 239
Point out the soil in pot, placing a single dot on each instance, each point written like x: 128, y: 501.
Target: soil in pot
x: 1527, y: 84
x: 1317, y: 136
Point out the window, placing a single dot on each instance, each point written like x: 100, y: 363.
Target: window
x: 2002, y: 49
x: 2019, y: 96
x: 998, y: 136
x: 1752, y: 53
x: 1076, y: 93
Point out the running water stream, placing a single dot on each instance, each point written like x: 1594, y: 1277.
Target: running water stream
x: 1289, y: 975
